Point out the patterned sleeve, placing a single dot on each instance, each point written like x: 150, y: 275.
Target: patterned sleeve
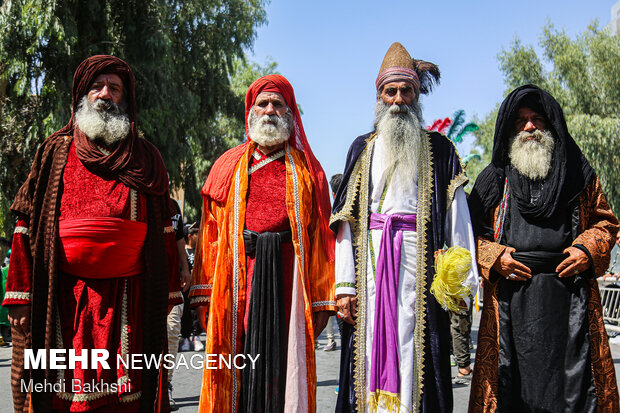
x: 488, y: 251
x: 19, y: 278
x: 598, y: 226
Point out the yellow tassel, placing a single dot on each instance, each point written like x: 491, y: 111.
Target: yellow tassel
x: 388, y: 401
x: 451, y: 268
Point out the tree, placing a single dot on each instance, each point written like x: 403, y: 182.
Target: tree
x: 227, y: 131
x: 182, y: 54
x: 584, y: 77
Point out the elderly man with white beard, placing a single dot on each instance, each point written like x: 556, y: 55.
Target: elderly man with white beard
x: 544, y: 232
x: 401, y: 203
x: 94, y: 263
x: 264, y: 261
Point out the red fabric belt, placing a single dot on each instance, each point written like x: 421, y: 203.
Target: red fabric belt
x: 102, y: 247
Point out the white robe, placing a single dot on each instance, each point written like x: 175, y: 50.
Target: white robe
x: 402, y: 199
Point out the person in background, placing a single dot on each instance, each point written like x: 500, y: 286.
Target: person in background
x: 5, y: 326
x: 460, y: 330
x: 174, y: 315
x: 190, y: 326
x: 334, y: 183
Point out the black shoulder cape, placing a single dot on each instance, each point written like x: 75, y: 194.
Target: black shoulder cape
x: 570, y: 171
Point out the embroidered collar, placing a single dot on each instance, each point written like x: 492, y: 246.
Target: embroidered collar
x: 266, y: 161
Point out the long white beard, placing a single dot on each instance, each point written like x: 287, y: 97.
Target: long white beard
x: 399, y: 126
x: 532, y: 157
x: 99, y: 122
x: 265, y: 133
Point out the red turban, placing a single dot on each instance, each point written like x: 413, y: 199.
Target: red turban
x: 135, y: 162
x: 219, y: 179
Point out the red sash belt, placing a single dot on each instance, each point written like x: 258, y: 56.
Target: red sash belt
x: 101, y: 247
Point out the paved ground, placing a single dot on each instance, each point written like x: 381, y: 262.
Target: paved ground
x: 187, y: 382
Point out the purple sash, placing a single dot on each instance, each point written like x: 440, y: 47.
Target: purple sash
x: 384, y: 373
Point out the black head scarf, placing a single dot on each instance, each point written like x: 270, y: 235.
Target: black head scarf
x: 568, y: 176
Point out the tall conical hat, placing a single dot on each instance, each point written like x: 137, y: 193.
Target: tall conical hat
x: 397, y: 56
x: 398, y: 66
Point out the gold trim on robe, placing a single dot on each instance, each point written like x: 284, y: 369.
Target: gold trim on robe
x: 221, y: 265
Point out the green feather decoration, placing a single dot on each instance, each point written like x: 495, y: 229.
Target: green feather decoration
x: 457, y: 120
x: 470, y: 127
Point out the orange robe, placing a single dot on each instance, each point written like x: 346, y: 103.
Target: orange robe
x: 219, y: 281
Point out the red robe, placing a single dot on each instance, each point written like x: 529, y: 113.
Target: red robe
x: 266, y: 211
x: 94, y: 313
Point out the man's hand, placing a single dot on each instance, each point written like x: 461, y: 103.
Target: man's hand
x: 19, y: 317
x: 347, y: 305
x: 185, y: 279
x: 510, y: 268
x: 576, y: 262
x: 201, y: 313
x: 319, y: 321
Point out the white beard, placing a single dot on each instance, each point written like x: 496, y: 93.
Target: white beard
x: 400, y: 128
x: 532, y: 158
x: 267, y: 134
x: 98, y: 122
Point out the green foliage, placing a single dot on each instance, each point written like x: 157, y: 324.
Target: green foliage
x: 183, y: 55
x: 7, y: 223
x: 584, y: 76
x: 598, y: 139
x: 227, y: 131
x: 483, y: 148
x: 484, y: 144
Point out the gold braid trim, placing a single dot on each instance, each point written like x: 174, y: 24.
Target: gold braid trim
x: 175, y: 294
x: 60, y: 372
x: 200, y: 299
x: 22, y: 230
x: 455, y: 183
x: 133, y: 195
x: 125, y: 330
x: 18, y: 295
x: 354, y: 185
x: 425, y: 192
x: 360, y: 182
x: 128, y: 398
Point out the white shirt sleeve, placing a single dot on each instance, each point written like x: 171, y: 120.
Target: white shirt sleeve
x: 345, y: 262
x: 460, y: 233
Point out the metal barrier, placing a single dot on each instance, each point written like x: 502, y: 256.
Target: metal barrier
x: 610, y: 300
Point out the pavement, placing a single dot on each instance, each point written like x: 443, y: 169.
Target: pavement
x: 187, y: 382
